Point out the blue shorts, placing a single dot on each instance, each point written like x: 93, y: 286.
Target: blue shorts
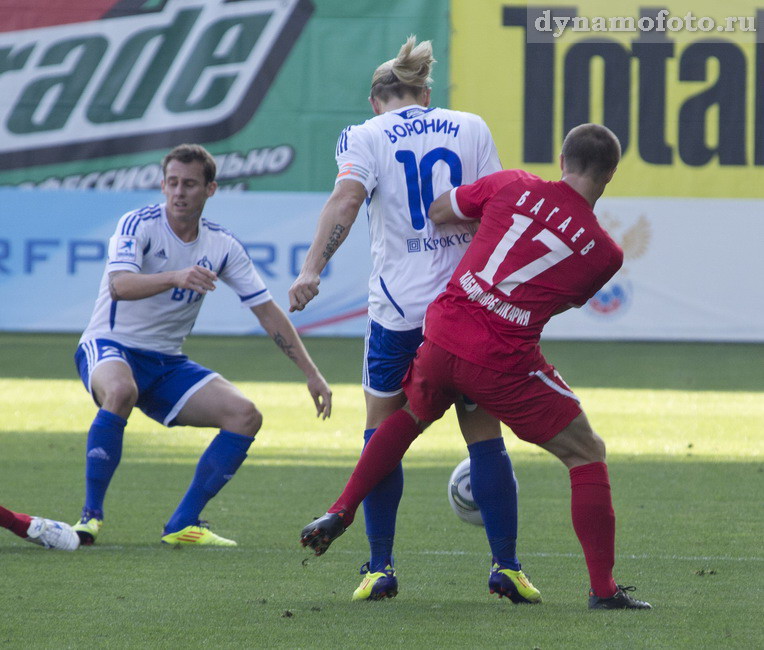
x: 387, y: 355
x: 165, y: 381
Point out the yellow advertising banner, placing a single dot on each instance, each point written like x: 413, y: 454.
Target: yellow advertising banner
x: 680, y: 83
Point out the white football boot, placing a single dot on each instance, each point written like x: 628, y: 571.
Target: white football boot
x: 52, y: 534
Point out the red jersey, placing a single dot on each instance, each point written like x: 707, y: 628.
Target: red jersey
x: 539, y: 249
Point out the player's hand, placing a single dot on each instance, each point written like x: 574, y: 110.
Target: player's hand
x: 321, y: 394
x: 303, y: 290
x: 196, y: 278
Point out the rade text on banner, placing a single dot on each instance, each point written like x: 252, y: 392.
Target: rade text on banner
x: 96, y: 91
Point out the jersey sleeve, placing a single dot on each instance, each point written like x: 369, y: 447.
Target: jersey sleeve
x: 239, y: 273
x: 488, y: 157
x: 468, y: 200
x: 129, y: 243
x: 355, y: 157
x: 616, y: 260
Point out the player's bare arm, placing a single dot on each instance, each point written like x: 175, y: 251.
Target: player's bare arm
x: 335, y: 239
x: 113, y: 291
x: 442, y: 211
x: 278, y: 326
x: 126, y: 285
x: 336, y: 218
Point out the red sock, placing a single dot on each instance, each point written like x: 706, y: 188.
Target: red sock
x: 16, y: 522
x: 591, y: 507
x: 382, y: 454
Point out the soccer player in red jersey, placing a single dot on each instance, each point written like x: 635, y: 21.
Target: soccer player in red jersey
x: 38, y: 530
x: 398, y: 161
x: 539, y: 251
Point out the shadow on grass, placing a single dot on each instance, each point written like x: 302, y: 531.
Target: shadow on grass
x: 681, y: 366
x: 664, y: 503
x: 688, y: 536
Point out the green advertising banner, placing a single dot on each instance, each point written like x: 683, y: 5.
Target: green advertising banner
x: 92, y: 93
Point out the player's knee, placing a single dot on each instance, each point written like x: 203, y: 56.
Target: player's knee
x: 472, y: 436
x: 257, y: 420
x: 577, y: 444
x: 246, y: 418
x: 595, y: 448
x: 422, y: 424
x: 119, y: 396
x: 586, y: 447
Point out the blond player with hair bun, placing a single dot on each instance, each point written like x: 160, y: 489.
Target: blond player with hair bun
x: 398, y: 162
x: 410, y: 68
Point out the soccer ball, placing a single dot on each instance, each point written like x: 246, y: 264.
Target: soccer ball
x: 460, y: 495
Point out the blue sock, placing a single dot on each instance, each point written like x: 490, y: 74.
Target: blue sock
x: 217, y: 465
x: 495, y: 491
x: 104, y: 451
x: 380, y: 509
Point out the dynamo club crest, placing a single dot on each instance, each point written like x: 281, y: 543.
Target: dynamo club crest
x: 613, y: 299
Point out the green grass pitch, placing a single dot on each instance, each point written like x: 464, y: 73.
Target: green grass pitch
x: 684, y: 424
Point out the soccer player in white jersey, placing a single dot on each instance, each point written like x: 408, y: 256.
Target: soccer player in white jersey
x: 162, y: 261
x: 398, y: 162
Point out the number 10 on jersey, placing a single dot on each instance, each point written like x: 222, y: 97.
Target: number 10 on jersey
x: 419, y: 179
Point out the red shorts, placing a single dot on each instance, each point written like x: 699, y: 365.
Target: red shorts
x: 536, y: 405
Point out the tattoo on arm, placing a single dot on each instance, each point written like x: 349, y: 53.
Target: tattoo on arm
x: 286, y: 347
x: 112, y: 289
x: 334, y: 241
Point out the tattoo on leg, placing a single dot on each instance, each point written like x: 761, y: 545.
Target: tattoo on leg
x: 334, y: 241
x: 286, y: 347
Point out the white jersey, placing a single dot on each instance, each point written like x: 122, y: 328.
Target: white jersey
x: 144, y: 243
x: 405, y: 159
